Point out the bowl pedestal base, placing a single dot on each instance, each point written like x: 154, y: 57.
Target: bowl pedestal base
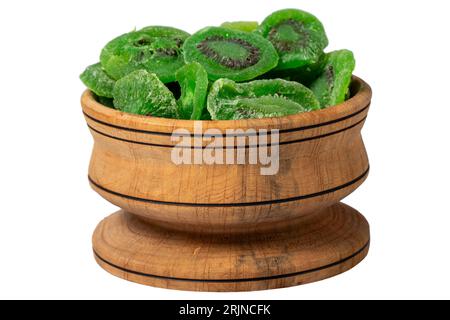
x: 314, y: 247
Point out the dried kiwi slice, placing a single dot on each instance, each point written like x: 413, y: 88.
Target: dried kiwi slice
x: 155, y: 49
x: 246, y: 26
x: 231, y: 54
x: 298, y: 36
x: 193, y: 81
x: 141, y: 92
x: 229, y: 100
x: 96, y: 79
x: 332, y: 86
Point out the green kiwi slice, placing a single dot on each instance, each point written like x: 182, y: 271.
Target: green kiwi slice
x: 298, y: 36
x: 141, y: 92
x: 332, y: 86
x: 229, y: 100
x: 246, y: 26
x: 155, y: 49
x: 96, y: 79
x: 226, y: 53
x: 193, y: 81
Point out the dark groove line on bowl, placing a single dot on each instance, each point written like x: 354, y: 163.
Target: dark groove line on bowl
x: 241, y: 204
x: 313, y: 126
x: 234, y: 147
x: 130, y: 141
x: 267, y: 278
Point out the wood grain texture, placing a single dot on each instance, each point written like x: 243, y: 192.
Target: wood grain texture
x: 322, y: 160
x: 312, y: 248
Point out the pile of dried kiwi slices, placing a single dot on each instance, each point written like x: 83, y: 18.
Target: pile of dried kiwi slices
x: 239, y: 70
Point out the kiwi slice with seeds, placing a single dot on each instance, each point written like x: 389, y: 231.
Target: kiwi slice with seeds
x: 155, y: 49
x: 226, y: 53
x: 332, y: 86
x: 298, y: 36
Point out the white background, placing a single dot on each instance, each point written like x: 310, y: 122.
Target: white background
x: 48, y: 211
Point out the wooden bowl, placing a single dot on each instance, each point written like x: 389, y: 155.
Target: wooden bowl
x: 227, y: 227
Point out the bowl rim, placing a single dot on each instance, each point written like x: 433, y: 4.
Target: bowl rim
x: 356, y: 104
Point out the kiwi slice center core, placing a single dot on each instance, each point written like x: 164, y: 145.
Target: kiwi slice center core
x: 232, y: 53
x: 229, y: 49
x: 289, y: 35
